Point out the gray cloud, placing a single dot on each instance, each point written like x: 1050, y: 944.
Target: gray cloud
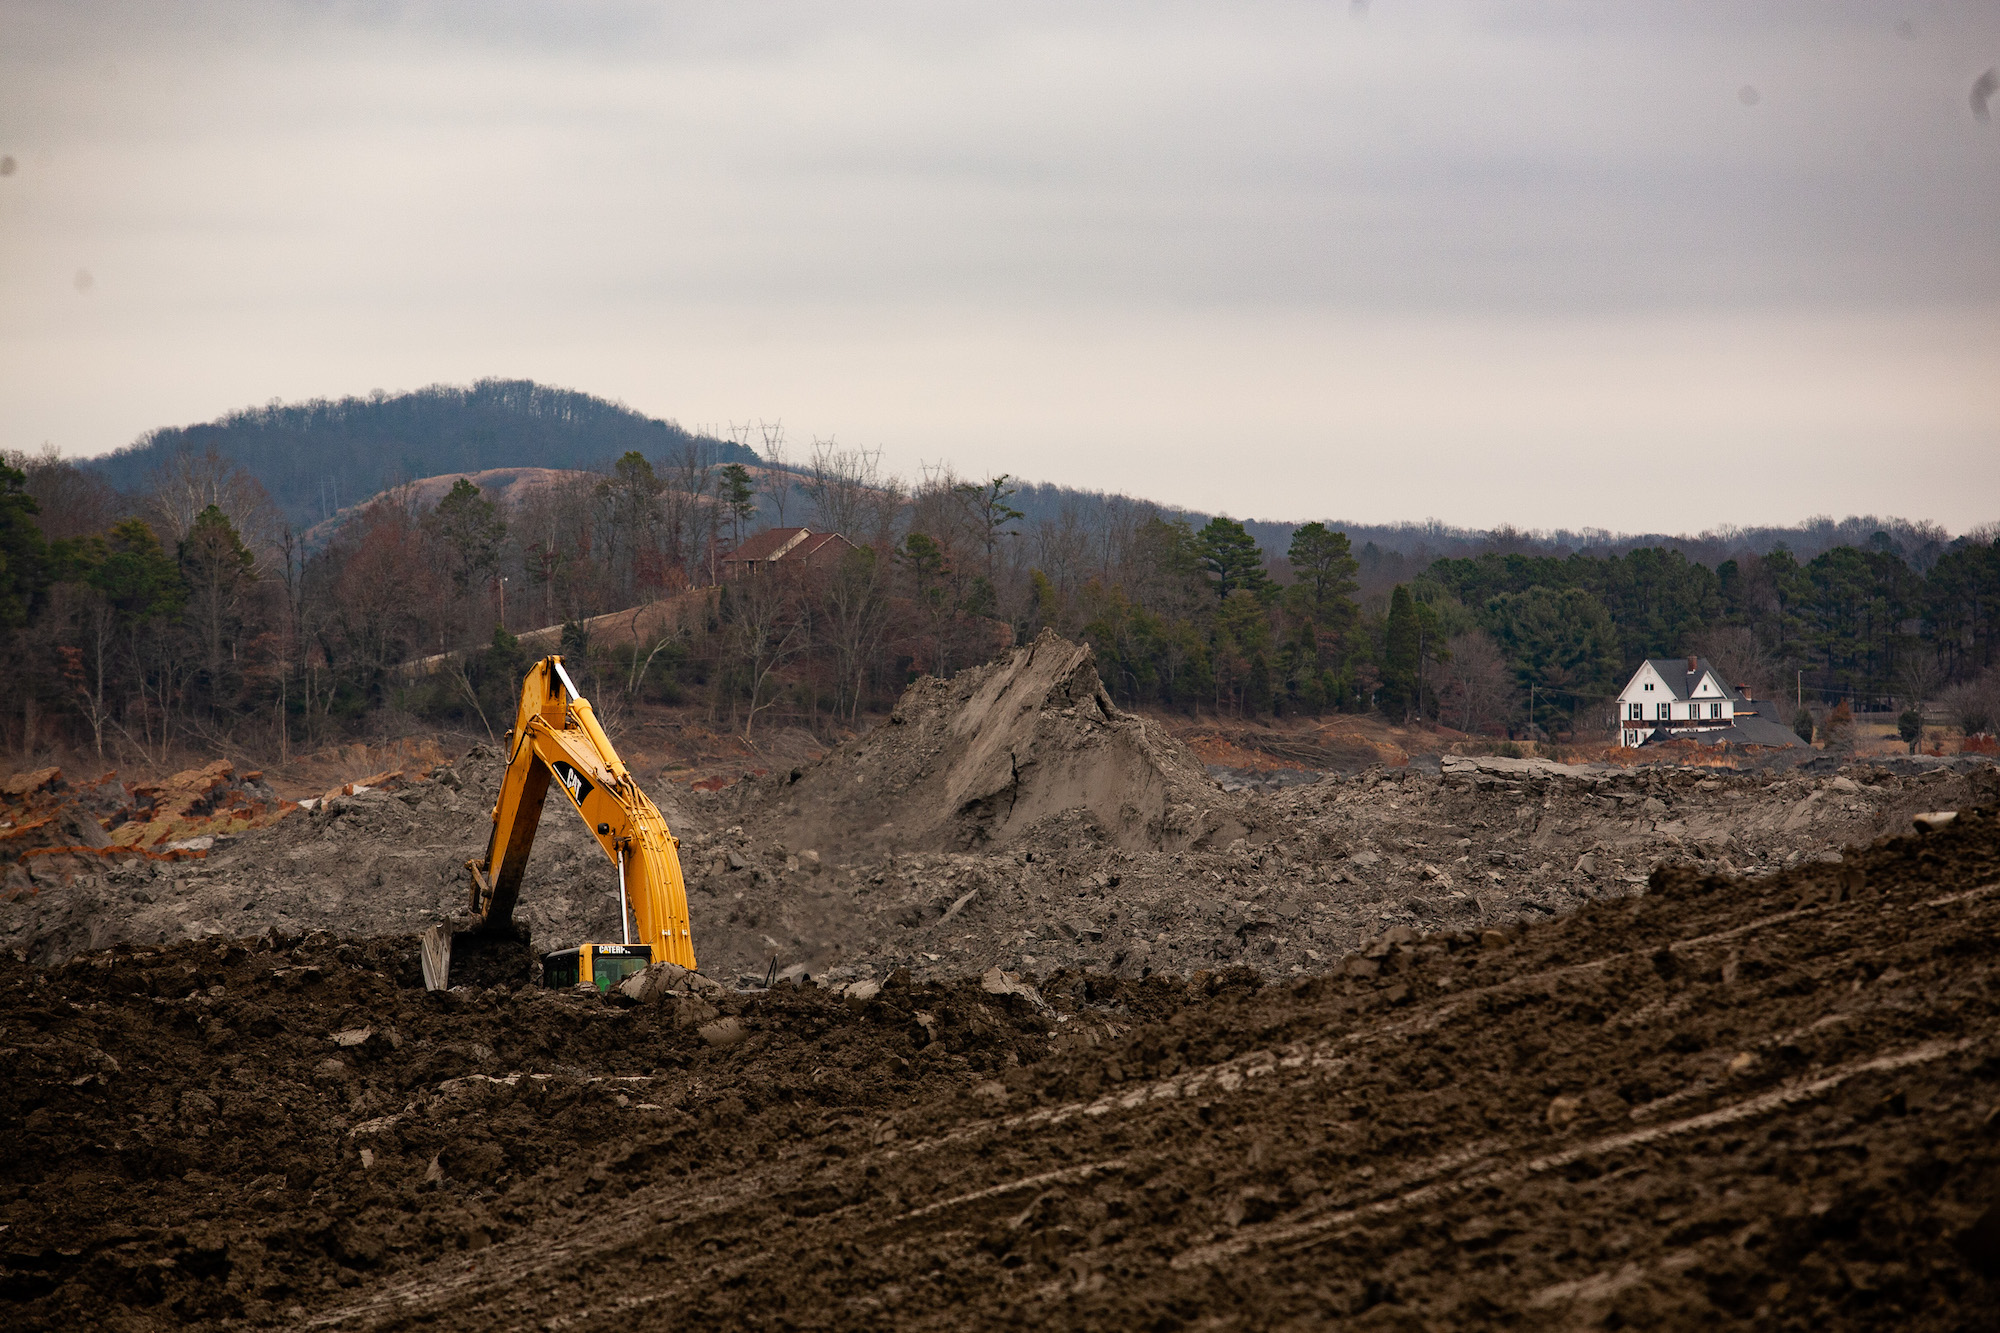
x: 880, y: 220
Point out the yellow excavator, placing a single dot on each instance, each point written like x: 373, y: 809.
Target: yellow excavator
x: 557, y: 738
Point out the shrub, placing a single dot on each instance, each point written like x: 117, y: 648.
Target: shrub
x: 1910, y: 725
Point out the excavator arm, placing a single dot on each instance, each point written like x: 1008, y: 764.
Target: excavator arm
x: 557, y: 739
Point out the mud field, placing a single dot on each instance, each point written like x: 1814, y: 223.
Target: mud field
x: 1078, y: 1039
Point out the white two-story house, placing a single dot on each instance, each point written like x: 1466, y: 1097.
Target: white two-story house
x: 1675, y: 695
x: 1685, y: 696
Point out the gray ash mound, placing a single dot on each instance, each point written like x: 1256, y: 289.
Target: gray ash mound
x: 980, y: 760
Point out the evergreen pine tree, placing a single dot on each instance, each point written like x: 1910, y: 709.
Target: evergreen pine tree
x: 1399, y: 655
x: 23, y: 554
x: 1323, y: 568
x: 1231, y: 554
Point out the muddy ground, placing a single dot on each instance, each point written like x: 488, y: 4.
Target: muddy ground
x: 1769, y: 1102
x: 1068, y: 1034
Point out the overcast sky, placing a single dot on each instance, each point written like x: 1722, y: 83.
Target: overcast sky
x: 1637, y: 266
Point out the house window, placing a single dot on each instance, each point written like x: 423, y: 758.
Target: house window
x: 1666, y: 711
x: 1715, y: 710
x: 1638, y: 711
x: 1649, y: 684
x: 1632, y: 738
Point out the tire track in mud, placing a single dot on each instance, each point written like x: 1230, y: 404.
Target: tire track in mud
x: 1310, y: 1230
x: 536, y: 1255
x: 570, y: 1265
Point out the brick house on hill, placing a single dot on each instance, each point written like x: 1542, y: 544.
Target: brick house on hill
x: 790, y: 548
x: 1673, y: 697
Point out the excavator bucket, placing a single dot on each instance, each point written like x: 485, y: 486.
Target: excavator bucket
x: 436, y: 946
x: 466, y: 952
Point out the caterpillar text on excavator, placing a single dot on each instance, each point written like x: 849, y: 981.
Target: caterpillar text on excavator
x: 557, y: 737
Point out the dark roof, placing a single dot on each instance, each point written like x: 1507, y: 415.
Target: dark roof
x: 814, y: 543
x: 1746, y: 729
x: 1761, y: 722
x: 787, y: 544
x: 765, y: 544
x: 1683, y: 683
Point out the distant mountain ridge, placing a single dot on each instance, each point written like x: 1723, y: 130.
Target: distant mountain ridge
x: 1403, y: 549
x: 319, y: 458
x: 316, y: 458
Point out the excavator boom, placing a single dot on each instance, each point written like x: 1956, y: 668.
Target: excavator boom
x: 557, y: 739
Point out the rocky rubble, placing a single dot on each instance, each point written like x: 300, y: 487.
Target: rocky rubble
x: 1012, y: 818
x: 1303, y: 877
x: 371, y: 859
x: 52, y: 830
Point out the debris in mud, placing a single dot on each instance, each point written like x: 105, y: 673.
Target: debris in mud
x: 388, y: 780
x: 898, y: 851
x: 1725, y: 1099
x: 1261, y: 779
x: 52, y: 830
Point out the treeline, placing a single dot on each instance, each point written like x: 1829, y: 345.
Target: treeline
x: 1392, y: 553
x: 188, y: 613
x: 1857, y: 625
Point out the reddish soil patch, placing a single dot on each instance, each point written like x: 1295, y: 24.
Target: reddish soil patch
x: 1332, y: 744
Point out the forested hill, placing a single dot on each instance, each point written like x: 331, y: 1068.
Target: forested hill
x: 319, y: 456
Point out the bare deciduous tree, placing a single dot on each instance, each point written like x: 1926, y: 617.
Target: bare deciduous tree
x: 93, y: 625
x: 73, y: 502
x: 1974, y: 705
x: 1061, y: 550
x: 1475, y: 687
x: 776, y: 481
x: 1919, y: 674
x: 1743, y: 660
x: 842, y: 487
x: 188, y: 482
x: 770, y: 626
x: 856, y: 616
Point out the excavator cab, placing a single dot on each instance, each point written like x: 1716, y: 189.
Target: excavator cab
x: 599, y: 965
x: 557, y: 741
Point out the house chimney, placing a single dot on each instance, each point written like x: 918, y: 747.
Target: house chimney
x: 1692, y: 668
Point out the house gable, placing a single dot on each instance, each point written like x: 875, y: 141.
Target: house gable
x: 1646, y: 686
